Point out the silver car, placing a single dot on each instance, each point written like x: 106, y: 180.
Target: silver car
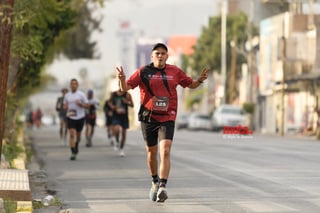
x: 182, y: 121
x: 228, y: 115
x: 198, y: 121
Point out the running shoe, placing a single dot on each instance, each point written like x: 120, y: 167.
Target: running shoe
x: 64, y: 142
x: 153, y: 191
x: 116, y: 147
x: 121, y: 153
x: 162, y: 195
x: 73, y: 157
x: 89, y: 144
x: 111, y: 141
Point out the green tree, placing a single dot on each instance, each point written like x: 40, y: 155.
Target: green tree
x: 76, y: 42
x: 207, y: 52
x: 36, y: 31
x: 6, y: 19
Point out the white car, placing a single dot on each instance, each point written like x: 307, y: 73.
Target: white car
x: 182, y: 121
x: 199, y: 121
x: 228, y: 115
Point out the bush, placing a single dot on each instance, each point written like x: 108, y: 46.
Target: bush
x: 11, y: 151
x: 9, y: 205
x: 248, y: 107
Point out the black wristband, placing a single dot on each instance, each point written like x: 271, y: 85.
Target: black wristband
x: 200, y: 81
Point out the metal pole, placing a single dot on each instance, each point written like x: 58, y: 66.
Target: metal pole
x: 283, y: 84
x: 284, y: 58
x: 223, y: 47
x: 250, y: 54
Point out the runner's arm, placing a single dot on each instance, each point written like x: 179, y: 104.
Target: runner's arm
x: 203, y: 76
x: 122, y: 79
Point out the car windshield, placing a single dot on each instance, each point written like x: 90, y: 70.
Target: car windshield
x: 183, y: 117
x: 203, y: 116
x: 232, y: 111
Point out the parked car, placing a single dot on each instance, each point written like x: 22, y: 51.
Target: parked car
x: 228, y: 115
x: 182, y: 121
x: 199, y: 121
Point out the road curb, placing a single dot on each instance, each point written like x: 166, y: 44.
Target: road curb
x: 24, y: 207
x: 14, y: 183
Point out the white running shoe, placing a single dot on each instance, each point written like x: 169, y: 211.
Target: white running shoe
x: 115, y: 147
x: 153, y: 191
x: 111, y: 142
x: 162, y: 195
x: 121, y: 153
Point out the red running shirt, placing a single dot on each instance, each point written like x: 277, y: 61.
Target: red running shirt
x: 156, y: 80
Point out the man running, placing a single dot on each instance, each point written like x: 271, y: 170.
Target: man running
x: 91, y: 117
x: 119, y: 102
x: 75, y: 102
x: 108, y: 118
x: 158, y: 96
x: 62, y: 113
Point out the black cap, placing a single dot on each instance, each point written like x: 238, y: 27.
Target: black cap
x: 160, y: 45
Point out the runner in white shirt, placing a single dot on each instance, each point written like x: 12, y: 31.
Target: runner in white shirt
x: 75, y: 102
x: 91, y: 116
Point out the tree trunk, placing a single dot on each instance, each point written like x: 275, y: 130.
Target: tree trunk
x: 232, y: 85
x: 6, y: 20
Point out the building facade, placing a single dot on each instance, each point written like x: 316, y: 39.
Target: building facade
x: 288, y: 72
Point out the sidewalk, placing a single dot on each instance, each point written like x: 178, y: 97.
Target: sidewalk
x: 38, y: 179
x: 14, y: 183
x: 24, y: 183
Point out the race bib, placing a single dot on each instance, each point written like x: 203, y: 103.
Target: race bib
x: 72, y: 113
x: 160, y: 103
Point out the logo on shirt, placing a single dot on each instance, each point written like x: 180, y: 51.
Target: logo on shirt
x: 160, y: 77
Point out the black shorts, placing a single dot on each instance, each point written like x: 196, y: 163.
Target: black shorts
x: 122, y: 121
x: 108, y: 120
x: 90, y: 121
x: 75, y: 124
x: 63, y: 118
x: 153, y: 131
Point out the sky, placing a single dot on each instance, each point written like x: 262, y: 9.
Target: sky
x: 149, y: 18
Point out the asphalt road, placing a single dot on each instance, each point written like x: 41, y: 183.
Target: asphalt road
x: 262, y: 174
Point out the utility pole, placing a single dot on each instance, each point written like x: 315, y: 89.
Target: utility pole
x: 285, y: 35
x: 6, y: 9
x: 284, y: 55
x: 224, y: 5
x: 250, y: 54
